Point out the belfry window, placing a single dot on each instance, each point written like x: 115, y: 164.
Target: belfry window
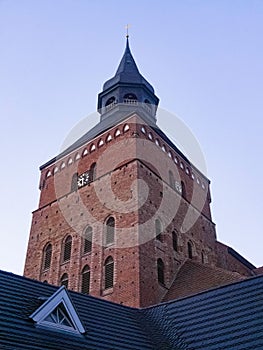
x: 64, y: 280
x: 74, y: 182
x: 85, y: 280
x: 87, y: 246
x: 130, y: 99
x: 175, y: 241
x: 183, y: 189
x: 158, y: 229
x: 147, y: 105
x: 110, y: 103
x: 160, y: 271
x: 67, y: 248
x: 108, y: 273
x: 190, y: 250
x: 171, y: 179
x: 110, y: 231
x: 92, y: 172
x: 47, y: 256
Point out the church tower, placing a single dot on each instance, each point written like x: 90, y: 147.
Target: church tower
x: 122, y: 209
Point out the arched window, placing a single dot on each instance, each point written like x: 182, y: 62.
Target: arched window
x: 171, y: 179
x: 175, y: 241
x: 92, y: 172
x: 130, y: 99
x: 67, y: 248
x: 110, y: 231
x: 85, y: 280
x: 87, y: 246
x: 147, y: 105
x: 110, y: 101
x: 183, y: 189
x: 47, y: 256
x: 74, y: 182
x: 158, y: 229
x: 160, y: 271
x: 64, y: 280
x: 108, y: 272
x: 190, y: 250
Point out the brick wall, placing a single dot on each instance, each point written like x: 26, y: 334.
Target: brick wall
x: 133, y: 184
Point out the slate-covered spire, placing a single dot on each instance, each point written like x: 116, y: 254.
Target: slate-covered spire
x: 127, y: 71
x: 127, y: 91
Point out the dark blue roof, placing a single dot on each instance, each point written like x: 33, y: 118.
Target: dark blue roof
x: 229, y: 317
x: 127, y: 72
x: 108, y: 325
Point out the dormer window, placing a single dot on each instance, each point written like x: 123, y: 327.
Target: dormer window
x: 59, y: 316
x: 130, y: 99
x: 58, y: 313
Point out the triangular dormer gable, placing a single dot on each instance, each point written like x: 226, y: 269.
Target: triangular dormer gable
x: 58, y: 312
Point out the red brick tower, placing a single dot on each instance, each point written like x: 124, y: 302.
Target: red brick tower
x: 122, y: 208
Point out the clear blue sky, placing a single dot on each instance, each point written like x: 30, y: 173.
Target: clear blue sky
x: 205, y: 60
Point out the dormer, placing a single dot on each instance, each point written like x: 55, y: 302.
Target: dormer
x: 58, y: 313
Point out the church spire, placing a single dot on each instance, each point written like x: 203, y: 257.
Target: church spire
x: 127, y: 71
x: 127, y: 87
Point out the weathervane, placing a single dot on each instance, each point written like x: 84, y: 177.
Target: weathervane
x: 127, y: 30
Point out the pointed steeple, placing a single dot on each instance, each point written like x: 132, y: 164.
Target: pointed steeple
x: 127, y: 91
x: 127, y: 62
x: 127, y: 71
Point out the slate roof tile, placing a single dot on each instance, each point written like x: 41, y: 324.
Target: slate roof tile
x: 229, y: 317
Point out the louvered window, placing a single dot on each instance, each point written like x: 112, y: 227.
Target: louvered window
x: 183, y: 189
x: 109, y: 272
x: 87, y: 240
x: 67, y: 248
x: 158, y: 229
x: 110, y: 231
x: 85, y: 285
x: 74, y: 182
x: 47, y: 256
x: 171, y: 179
x: 93, y: 169
x: 160, y: 271
x: 190, y: 250
x: 64, y: 280
x: 175, y: 241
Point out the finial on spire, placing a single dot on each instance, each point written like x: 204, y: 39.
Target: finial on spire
x: 127, y: 30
